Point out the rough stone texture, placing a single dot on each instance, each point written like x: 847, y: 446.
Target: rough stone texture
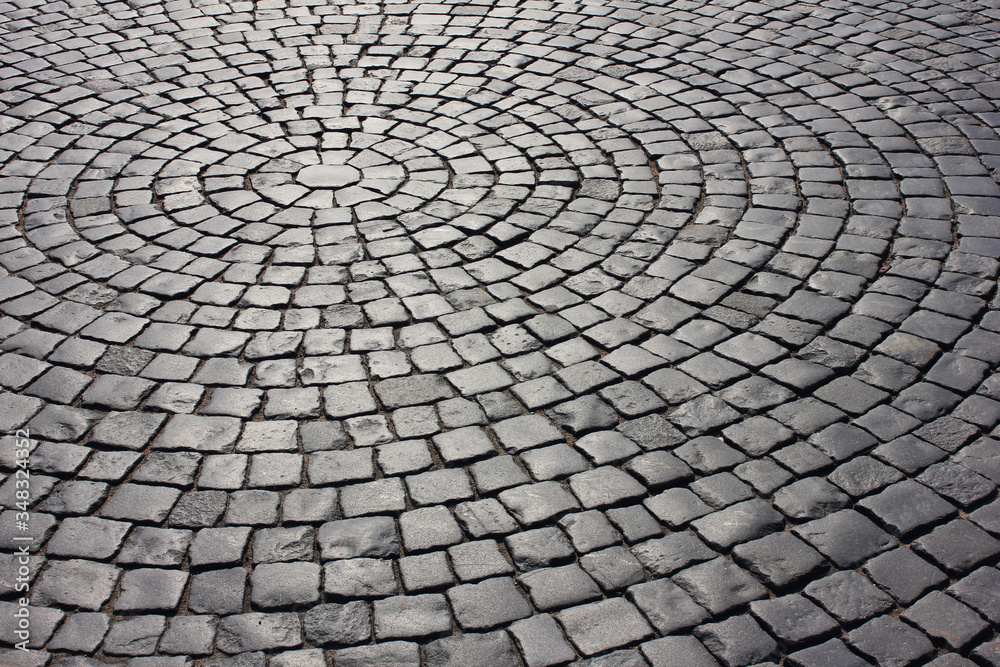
x: 624, y: 333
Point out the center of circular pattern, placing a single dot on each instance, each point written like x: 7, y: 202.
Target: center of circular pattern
x: 328, y: 176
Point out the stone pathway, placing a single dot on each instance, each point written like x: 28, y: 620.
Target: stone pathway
x: 501, y: 333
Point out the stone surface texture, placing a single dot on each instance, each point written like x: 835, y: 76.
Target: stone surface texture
x: 504, y: 332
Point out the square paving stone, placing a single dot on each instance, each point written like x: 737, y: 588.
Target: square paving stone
x: 223, y: 471
x: 309, y: 506
x: 845, y: 537
x: 353, y: 538
x: 719, y: 585
x: 404, y: 457
x: 634, y: 522
x: 676, y: 507
x: 806, y: 416
x: 301, y: 658
x: 151, y: 590
x: 763, y: 475
x: 411, y: 617
x: 397, y: 654
x: 218, y: 591
x: 280, y: 585
x: 141, y: 503
x: 425, y: 572
x: 666, y: 605
x: 603, y: 487
x: 809, y: 498
x: 980, y: 591
x: 738, y: 523
x: 702, y: 415
x: 721, y: 489
x: 463, y: 444
x: 488, y: 604
x: 525, y: 432
x: 359, y: 578
x: 982, y: 456
x: 300, y: 403
x: 219, y: 546
x: 477, y: 560
x: 842, y: 441
x: 497, y: 473
x: 275, y: 471
x: 664, y: 556
x: 337, y: 624
x: 437, y: 487
x: 707, y: 454
x: 945, y: 619
x: 428, y: 528
x: 276, y: 545
x: 485, y: 517
x: 542, y: 547
x: 256, y: 631
x: 88, y: 537
x: 589, y: 531
x: 337, y: 467
x: 958, y: 546
x: 793, y: 619
x: 659, y: 469
x: 471, y: 650
x: 197, y: 433
x: 887, y: 640
x: 864, y: 475
x: 77, y: 584
x: 378, y: 497
x: 605, y: 447
x: 852, y: 396
x: 673, y: 386
x: 173, y: 468
x: 532, y: 504
x: 253, y: 508
x: 82, y: 632
x: 600, y: 626
x: 907, y: 506
x: 269, y: 436
x: 758, y: 435
x: 780, y: 559
x: 558, y: 587
x: 138, y: 635
x: 904, y: 574
x: 541, y: 642
x: 677, y: 652
x: 737, y: 641
x: 131, y: 430
x: 909, y: 453
x: 832, y: 652
x: 613, y: 568
x: 198, y: 509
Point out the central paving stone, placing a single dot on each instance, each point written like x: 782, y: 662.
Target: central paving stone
x: 328, y: 176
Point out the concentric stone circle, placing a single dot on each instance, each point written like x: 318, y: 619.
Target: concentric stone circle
x: 501, y: 334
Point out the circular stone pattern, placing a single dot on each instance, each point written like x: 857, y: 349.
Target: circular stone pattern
x: 501, y: 334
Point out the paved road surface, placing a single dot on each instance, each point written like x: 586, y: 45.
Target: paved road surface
x: 501, y: 333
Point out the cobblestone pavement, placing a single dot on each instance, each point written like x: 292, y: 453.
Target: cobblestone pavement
x: 501, y: 333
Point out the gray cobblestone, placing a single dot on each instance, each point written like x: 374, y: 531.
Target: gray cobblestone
x: 678, y: 322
